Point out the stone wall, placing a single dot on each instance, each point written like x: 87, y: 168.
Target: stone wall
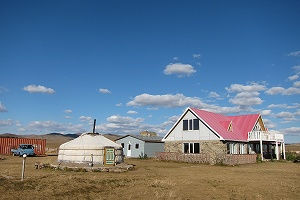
x: 212, y: 152
x: 231, y: 159
x: 207, y: 147
x: 226, y: 159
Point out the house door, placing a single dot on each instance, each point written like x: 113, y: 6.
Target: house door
x: 109, y: 156
x: 129, y: 150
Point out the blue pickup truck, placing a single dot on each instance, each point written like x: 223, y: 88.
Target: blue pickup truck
x: 27, y: 149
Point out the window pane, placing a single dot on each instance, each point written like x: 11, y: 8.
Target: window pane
x: 136, y: 146
x: 129, y: 146
x: 186, y: 148
x: 196, y: 147
x: 185, y: 125
x: 228, y: 148
x: 191, y: 124
x: 196, y: 124
x: 191, y: 148
x: 122, y: 145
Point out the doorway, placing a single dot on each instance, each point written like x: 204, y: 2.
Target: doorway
x: 129, y: 150
x: 109, y: 155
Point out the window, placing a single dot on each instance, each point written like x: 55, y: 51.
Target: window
x: 186, y: 147
x: 129, y: 146
x: 137, y: 146
x: 232, y: 148
x: 122, y: 145
x: 196, y: 124
x: 228, y: 148
x: 191, y: 148
x: 241, y: 149
x: 191, y: 124
x: 185, y: 125
x: 196, y: 148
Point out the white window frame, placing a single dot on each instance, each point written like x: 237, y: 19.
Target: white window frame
x: 189, y: 128
x: 189, y: 149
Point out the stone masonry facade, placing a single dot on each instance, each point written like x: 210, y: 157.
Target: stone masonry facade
x: 213, y: 152
x: 210, y: 151
x: 206, y: 147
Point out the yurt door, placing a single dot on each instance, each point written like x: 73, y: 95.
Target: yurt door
x: 109, y: 156
x: 129, y: 149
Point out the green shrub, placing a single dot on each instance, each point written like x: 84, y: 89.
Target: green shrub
x: 258, y: 158
x: 292, y: 156
x: 143, y: 156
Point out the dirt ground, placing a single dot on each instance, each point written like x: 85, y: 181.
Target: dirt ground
x: 151, y: 180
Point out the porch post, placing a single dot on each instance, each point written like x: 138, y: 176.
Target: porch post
x: 277, y: 150
x: 261, y: 150
x: 283, y: 145
x: 281, y: 151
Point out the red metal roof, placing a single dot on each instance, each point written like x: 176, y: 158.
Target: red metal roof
x: 241, y: 124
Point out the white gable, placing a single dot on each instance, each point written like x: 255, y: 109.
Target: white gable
x: 178, y: 134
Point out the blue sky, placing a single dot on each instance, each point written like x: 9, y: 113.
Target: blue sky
x: 136, y: 65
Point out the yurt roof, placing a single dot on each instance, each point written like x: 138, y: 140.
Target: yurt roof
x: 89, y: 141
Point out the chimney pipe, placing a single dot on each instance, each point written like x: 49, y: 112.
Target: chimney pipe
x: 94, y: 126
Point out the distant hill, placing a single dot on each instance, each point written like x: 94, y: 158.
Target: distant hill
x: 54, y: 140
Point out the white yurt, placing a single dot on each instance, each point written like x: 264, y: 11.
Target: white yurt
x: 91, y: 148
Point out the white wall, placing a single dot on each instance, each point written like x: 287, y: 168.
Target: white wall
x: 203, y: 133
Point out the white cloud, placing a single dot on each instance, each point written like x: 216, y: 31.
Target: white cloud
x: 179, y: 69
x: 3, y: 90
x: 2, y: 107
x: 196, y: 55
x: 104, y: 91
x: 293, y: 77
x: 68, y: 117
x: 119, y: 104
x: 38, y: 89
x: 85, y: 119
x: 178, y: 100
x: 7, y: 122
x: 288, y: 116
x: 247, y: 95
x: 294, y: 105
x: 284, y: 115
x: 291, y: 131
x: 175, y: 58
x: 68, y: 111
x: 214, y: 95
x: 269, y: 124
x: 295, y: 53
x: 296, y: 68
x: 18, y: 123
x: 265, y: 112
x: 132, y: 112
x: 246, y: 99
x: 127, y: 125
x: 283, y: 91
x: 296, y: 84
x: 166, y: 100
x: 52, y: 126
x: 253, y: 87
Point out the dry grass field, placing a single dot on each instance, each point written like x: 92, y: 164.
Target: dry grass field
x: 293, y: 147
x: 152, y: 180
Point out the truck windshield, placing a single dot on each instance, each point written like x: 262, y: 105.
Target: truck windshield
x: 26, y: 146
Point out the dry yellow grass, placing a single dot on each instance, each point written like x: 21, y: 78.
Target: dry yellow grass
x: 152, y: 180
x: 293, y: 147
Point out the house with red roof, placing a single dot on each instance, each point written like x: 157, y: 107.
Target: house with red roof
x: 202, y: 132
